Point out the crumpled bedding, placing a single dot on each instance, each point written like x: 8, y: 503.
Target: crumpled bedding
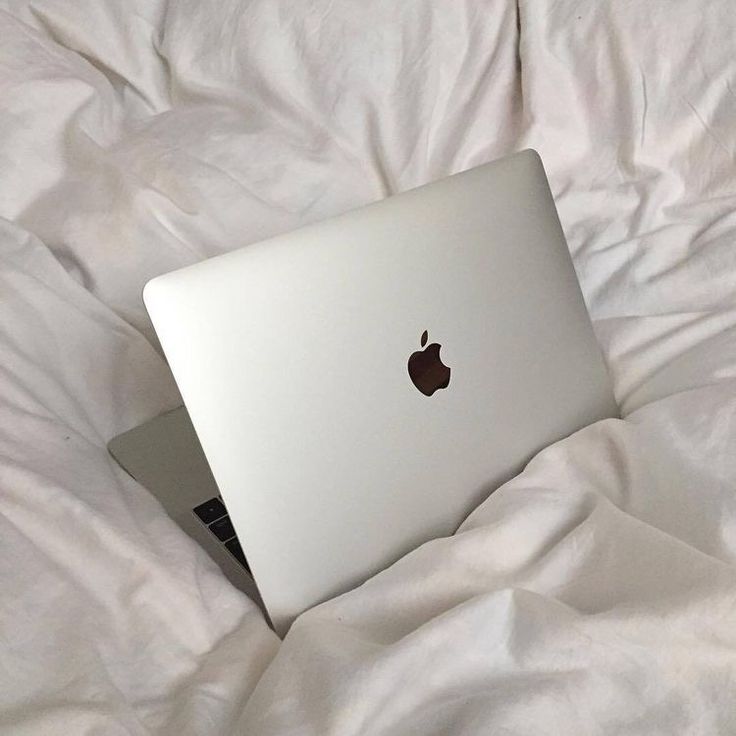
x: 595, y: 593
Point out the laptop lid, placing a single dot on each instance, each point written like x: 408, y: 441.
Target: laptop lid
x: 361, y: 384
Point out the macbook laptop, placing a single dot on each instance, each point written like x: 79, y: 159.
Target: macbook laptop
x: 360, y: 385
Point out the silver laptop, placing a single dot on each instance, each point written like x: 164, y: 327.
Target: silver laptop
x: 358, y: 386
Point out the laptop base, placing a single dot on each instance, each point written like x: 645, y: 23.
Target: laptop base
x: 164, y: 456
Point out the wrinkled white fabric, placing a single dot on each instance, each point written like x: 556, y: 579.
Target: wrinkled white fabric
x: 593, y: 594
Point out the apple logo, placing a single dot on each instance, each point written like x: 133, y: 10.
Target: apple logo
x: 426, y: 369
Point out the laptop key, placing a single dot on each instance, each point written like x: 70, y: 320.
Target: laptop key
x: 210, y: 510
x: 236, y: 551
x: 223, y: 528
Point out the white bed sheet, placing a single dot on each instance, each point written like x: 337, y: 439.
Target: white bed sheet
x: 594, y: 593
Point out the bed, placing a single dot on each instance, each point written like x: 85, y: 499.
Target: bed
x: 593, y: 593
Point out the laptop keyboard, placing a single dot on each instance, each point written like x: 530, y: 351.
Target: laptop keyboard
x: 213, y: 514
